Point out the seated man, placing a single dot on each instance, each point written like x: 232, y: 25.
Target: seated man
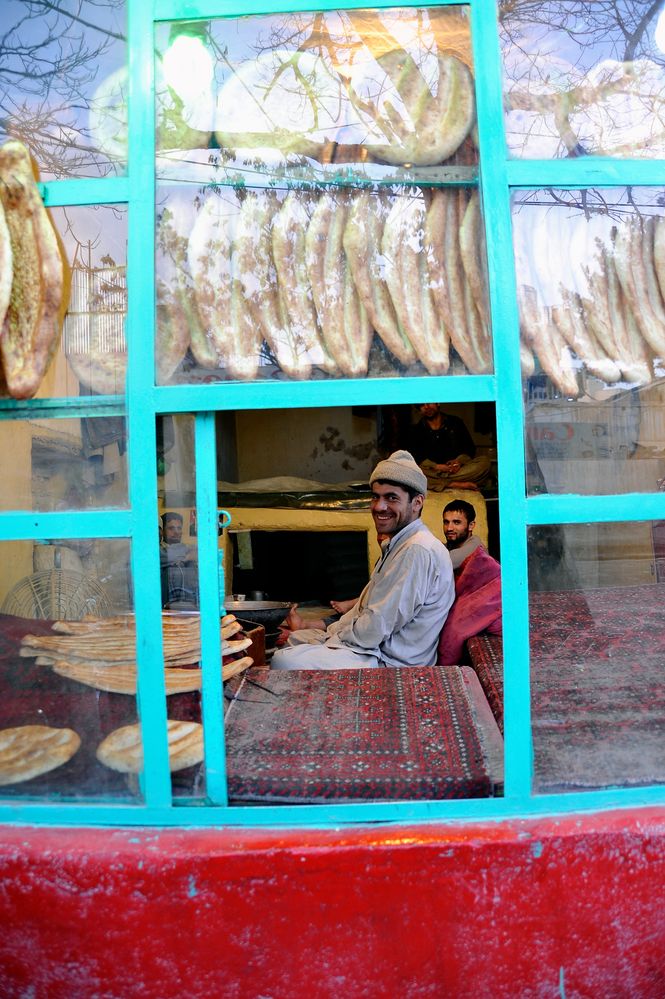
x: 179, y: 564
x: 443, y: 448
x: 459, y: 520
x: 477, y: 604
x: 398, y: 616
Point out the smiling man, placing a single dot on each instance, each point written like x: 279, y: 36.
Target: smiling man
x: 400, y: 613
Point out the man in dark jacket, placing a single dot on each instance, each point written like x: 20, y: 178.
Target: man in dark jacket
x: 442, y: 446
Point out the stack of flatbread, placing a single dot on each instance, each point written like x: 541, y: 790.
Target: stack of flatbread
x: 101, y: 652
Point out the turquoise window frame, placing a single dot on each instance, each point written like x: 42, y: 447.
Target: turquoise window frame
x: 145, y: 402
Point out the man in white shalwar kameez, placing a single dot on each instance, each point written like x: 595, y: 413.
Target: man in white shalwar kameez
x: 400, y: 613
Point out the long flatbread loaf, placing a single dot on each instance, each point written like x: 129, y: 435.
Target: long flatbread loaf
x: 347, y: 332
x: 415, y: 121
x: 31, y: 321
x: 261, y: 295
x: 409, y: 279
x: 6, y: 266
x: 289, y: 227
x: 362, y: 244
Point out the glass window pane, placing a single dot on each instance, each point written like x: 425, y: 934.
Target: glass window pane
x: 320, y: 284
x: 583, y: 78
x: 597, y: 636
x: 64, y: 464
x: 179, y: 583
x: 93, y: 342
x: 374, y: 91
x: 591, y: 289
x: 301, y: 530
x: 63, y: 85
x: 67, y: 666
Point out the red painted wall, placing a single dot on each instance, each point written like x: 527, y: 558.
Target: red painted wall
x: 538, y: 909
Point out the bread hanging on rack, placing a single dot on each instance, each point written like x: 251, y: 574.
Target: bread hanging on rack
x: 34, y: 276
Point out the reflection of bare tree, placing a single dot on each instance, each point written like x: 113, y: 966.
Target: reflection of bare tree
x: 327, y: 84
x: 51, y: 59
x: 583, y: 73
x: 621, y: 26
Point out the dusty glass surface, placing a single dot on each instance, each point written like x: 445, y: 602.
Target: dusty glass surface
x: 298, y: 279
x: 597, y: 641
x: 327, y: 283
x: 303, y: 93
x: 583, y: 78
x: 68, y: 464
x: 63, y: 84
x: 590, y: 269
x: 67, y: 667
x: 93, y: 341
x: 176, y: 487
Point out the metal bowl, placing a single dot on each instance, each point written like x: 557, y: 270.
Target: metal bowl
x: 269, y: 613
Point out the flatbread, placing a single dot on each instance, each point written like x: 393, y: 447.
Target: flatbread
x: 31, y: 750
x: 112, y: 641
x: 122, y: 749
x: 236, y: 666
x: 122, y: 679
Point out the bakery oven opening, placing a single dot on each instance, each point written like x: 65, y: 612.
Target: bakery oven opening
x: 312, y: 567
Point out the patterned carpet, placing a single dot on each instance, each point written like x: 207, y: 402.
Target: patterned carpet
x: 598, y: 686
x: 356, y: 735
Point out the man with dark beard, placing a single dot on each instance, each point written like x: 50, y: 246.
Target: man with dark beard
x: 442, y: 446
x: 459, y: 520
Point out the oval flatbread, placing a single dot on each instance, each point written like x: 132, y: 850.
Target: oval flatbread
x: 31, y: 750
x: 122, y: 749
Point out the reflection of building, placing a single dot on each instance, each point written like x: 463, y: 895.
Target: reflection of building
x: 94, y: 332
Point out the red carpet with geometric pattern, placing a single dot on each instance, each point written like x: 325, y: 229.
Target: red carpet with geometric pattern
x: 597, y: 686
x: 368, y: 734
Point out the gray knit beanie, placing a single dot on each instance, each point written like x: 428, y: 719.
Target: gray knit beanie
x: 401, y: 468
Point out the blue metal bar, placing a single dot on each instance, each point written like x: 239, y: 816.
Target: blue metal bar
x: 510, y: 417
x: 142, y: 444
x: 585, y: 171
x: 73, y: 524
x: 550, y: 509
x: 212, y: 709
x: 64, y: 813
x: 98, y: 191
x: 52, y: 409
x: 325, y: 175
x: 358, y: 392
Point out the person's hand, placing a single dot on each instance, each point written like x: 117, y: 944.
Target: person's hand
x: 292, y: 622
x: 453, y: 466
